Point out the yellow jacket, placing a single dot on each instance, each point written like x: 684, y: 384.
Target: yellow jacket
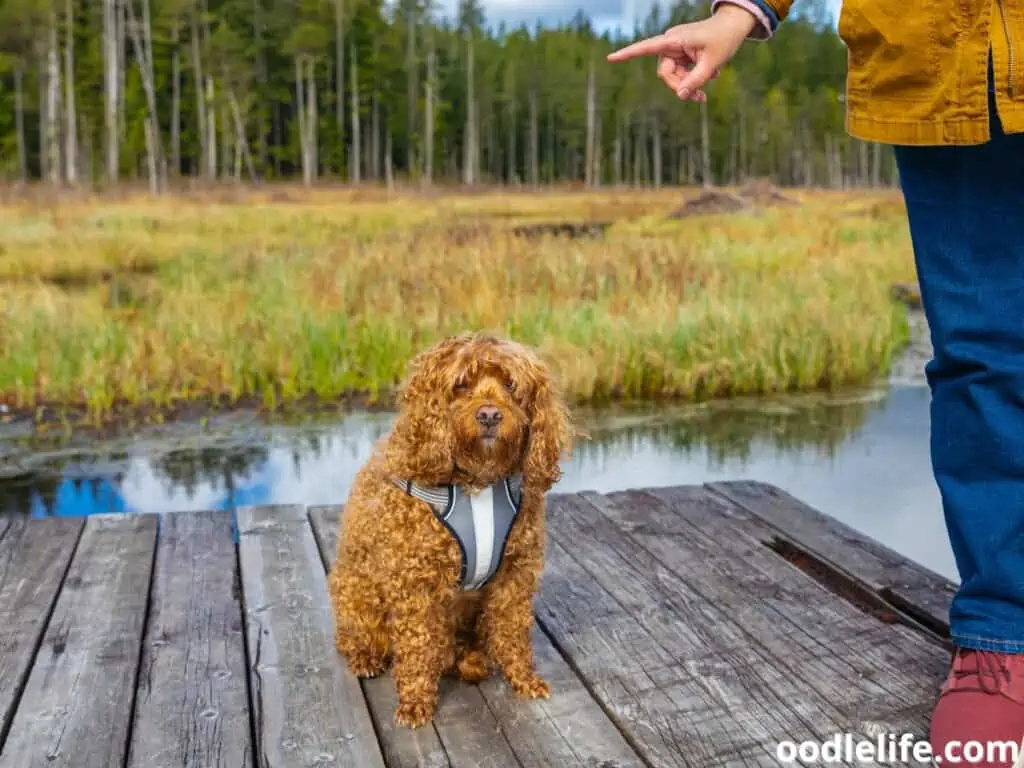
x: 918, y: 71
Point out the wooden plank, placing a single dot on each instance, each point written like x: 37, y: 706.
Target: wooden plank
x: 487, y: 725
x: 819, y: 637
x: 706, y: 683
x: 76, y: 708
x: 34, y: 557
x: 890, y: 574
x: 653, y: 684
x: 192, y: 707
x: 308, y: 709
x: 568, y: 729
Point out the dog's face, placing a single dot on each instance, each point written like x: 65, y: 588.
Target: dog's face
x: 474, y: 409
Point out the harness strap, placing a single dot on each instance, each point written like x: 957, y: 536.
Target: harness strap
x: 439, y: 498
x: 480, y: 525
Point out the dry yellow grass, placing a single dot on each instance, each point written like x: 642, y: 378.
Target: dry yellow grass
x: 281, y: 294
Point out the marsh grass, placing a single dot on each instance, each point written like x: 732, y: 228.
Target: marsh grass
x: 284, y: 295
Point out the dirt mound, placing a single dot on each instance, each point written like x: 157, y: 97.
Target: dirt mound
x: 710, y: 203
x: 571, y: 229
x: 759, y: 192
x: 763, y: 192
x: 907, y: 293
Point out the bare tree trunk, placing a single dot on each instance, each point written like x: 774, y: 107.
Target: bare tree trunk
x: 211, y: 129
x: 656, y: 151
x: 197, y: 72
x: 302, y: 117
x: 211, y: 101
x: 175, y: 102
x: 470, y: 161
x: 312, y: 119
x: 241, y: 141
x: 511, y: 159
x: 144, y: 55
x: 742, y: 171
x: 411, y: 90
x: 591, y: 120
x: 226, y: 139
x: 355, y: 157
x: 19, y: 120
x: 339, y: 65
x: 876, y: 165
x: 617, y: 155
x: 534, y: 139
x: 121, y: 50
x: 375, y: 153
x: 70, y: 113
x: 705, y: 147
x: 389, y: 174
x: 53, y: 158
x: 428, y: 149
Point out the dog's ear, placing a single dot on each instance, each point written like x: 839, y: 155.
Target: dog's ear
x: 550, y: 437
x: 421, y: 445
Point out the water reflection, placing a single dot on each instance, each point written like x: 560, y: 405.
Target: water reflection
x: 861, y: 459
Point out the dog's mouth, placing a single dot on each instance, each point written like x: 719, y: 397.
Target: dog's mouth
x: 489, y: 437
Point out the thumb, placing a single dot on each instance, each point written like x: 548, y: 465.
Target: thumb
x: 703, y: 70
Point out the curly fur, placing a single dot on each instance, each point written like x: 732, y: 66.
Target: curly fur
x: 394, y: 586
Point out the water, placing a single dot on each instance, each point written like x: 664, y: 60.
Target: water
x: 862, y: 458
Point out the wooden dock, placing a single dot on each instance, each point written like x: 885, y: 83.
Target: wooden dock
x: 686, y: 626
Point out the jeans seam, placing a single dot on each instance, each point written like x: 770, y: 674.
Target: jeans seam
x: 981, y: 643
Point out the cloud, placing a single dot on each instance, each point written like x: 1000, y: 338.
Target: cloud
x: 604, y: 14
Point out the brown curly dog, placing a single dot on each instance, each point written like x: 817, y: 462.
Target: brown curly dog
x: 441, y: 545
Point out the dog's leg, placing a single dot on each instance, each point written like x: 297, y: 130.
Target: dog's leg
x: 422, y: 631
x: 508, y: 626
x: 360, y: 632
x: 470, y: 656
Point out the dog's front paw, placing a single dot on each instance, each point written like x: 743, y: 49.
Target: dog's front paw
x: 366, y: 666
x: 414, y: 714
x: 472, y: 666
x: 531, y: 686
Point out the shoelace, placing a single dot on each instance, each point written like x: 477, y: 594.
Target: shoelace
x: 990, y: 669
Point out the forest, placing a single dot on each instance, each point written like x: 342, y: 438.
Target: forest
x: 101, y: 93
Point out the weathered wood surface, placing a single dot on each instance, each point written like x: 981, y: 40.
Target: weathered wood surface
x: 34, y: 556
x: 893, y: 577
x: 192, y: 703
x: 76, y: 709
x: 690, y: 626
x: 308, y: 709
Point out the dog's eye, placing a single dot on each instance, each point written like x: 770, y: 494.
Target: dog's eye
x: 510, y: 386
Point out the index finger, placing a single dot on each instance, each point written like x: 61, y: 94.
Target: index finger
x: 652, y: 46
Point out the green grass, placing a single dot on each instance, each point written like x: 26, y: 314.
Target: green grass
x: 285, y: 296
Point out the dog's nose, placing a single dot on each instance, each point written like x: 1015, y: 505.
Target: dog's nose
x: 488, y: 416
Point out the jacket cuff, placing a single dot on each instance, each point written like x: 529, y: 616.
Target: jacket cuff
x: 767, y: 19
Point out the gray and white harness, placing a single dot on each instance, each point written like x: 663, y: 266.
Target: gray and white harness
x: 480, y: 523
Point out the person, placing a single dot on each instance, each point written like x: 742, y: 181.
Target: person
x: 943, y: 83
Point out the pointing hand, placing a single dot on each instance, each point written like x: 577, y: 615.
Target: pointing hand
x: 689, y: 55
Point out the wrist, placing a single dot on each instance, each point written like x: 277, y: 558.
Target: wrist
x: 743, y: 16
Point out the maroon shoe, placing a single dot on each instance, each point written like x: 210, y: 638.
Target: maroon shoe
x: 979, y: 718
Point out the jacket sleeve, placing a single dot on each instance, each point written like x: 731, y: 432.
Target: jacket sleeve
x: 769, y: 14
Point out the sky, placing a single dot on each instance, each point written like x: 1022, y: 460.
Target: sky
x: 605, y: 14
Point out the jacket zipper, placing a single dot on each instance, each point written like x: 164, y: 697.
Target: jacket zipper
x: 1009, y: 46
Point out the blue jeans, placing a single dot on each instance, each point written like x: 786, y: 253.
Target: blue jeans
x: 966, y: 215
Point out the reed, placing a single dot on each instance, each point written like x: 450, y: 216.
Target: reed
x: 283, y: 295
